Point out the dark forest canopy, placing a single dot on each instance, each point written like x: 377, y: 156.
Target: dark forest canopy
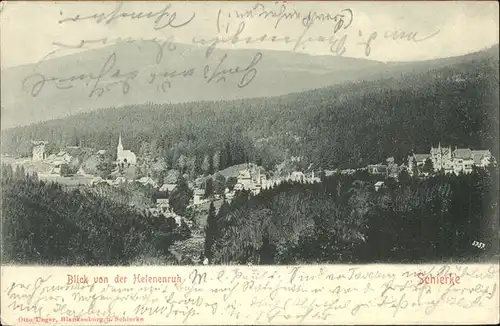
x: 343, y: 126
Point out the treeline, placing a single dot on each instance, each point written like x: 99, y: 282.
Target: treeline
x: 344, y: 126
x: 344, y: 220
x: 42, y: 223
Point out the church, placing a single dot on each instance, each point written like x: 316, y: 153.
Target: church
x: 124, y: 157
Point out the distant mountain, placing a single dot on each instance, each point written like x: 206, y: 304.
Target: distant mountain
x: 276, y: 73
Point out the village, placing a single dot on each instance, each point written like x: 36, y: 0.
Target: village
x: 64, y: 168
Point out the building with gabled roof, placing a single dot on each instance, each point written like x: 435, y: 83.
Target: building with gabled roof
x: 452, y: 161
x: 124, y: 156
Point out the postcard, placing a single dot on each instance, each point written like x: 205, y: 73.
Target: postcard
x: 249, y: 163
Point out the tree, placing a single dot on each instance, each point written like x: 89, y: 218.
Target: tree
x: 104, y: 169
x: 428, y: 166
x: 67, y: 170
x: 231, y: 181
x: 191, y: 166
x: 209, y: 187
x: 414, y: 168
x: 180, y: 196
x: 211, y: 232
x: 184, y: 230
x: 216, y: 162
x: 182, y: 163
x: 404, y: 177
x: 205, y: 166
x: 219, y: 184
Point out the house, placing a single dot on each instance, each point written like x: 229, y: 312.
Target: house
x: 297, y: 176
x: 312, y: 178
x: 64, y: 156
x: 119, y: 181
x: 229, y: 195
x: 96, y: 181
x: 39, y: 150
x: 482, y: 158
x: 101, y: 152
x: 163, y: 204
x: 256, y: 190
x: 418, y: 159
x: 462, y: 160
x: 198, y: 196
x: 379, y: 185
x: 56, y: 167
x: 167, y: 187
x: 377, y: 169
x: 245, y: 179
x: 147, y: 181
x: 346, y: 171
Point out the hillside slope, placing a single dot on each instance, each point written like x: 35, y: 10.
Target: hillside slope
x: 276, y: 73
x: 347, y: 125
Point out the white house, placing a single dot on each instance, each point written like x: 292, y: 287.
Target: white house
x: 198, y: 196
x: 297, y: 176
x: 379, y: 185
x: 147, y: 181
x: 168, y: 187
x: 119, y: 181
x: 163, y: 204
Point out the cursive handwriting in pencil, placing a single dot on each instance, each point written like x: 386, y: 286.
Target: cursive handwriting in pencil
x: 162, y: 18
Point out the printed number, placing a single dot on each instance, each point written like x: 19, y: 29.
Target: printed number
x: 480, y: 245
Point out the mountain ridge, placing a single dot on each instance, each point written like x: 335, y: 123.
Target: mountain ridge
x: 277, y: 73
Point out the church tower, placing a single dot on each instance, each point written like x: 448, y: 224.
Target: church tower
x: 120, y: 146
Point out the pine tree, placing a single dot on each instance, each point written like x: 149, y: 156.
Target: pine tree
x: 180, y: 196
x: 428, y: 166
x: 209, y: 187
x: 414, y: 168
x: 211, y: 232
x: 184, y: 230
x: 205, y: 166
x: 219, y: 184
x: 216, y: 162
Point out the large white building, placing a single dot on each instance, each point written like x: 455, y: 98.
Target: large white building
x: 39, y: 150
x: 452, y: 161
x: 125, y: 157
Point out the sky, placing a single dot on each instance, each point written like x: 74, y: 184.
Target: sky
x: 29, y: 29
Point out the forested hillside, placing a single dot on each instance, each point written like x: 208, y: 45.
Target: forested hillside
x: 42, y: 223
x: 349, y: 125
x: 341, y: 220
x: 344, y: 220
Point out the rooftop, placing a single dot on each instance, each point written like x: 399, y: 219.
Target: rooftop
x: 463, y: 153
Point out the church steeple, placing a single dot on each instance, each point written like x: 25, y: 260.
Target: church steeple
x: 120, y: 146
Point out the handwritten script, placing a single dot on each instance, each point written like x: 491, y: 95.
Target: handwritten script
x: 258, y: 295
x: 169, y: 29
